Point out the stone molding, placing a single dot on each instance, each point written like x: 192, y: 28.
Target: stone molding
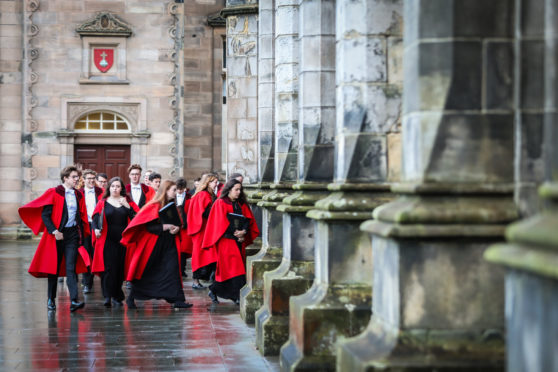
x: 239, y: 9
x: 216, y: 20
x: 105, y: 24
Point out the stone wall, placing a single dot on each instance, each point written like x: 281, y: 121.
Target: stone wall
x: 11, y: 123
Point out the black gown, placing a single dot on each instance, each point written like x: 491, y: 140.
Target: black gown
x: 230, y: 288
x: 114, y: 253
x: 161, y: 277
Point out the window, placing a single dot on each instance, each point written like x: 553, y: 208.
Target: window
x: 101, y: 122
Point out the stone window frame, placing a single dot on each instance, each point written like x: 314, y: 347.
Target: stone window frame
x: 132, y: 109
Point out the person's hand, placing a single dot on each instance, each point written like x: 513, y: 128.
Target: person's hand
x: 58, y: 235
x: 167, y: 226
x: 97, y: 233
x: 124, y: 202
x: 174, y: 229
x: 239, y: 233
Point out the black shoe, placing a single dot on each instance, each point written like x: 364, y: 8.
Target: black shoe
x: 116, y: 302
x: 86, y: 289
x: 237, y: 302
x: 197, y: 286
x: 182, y: 305
x: 107, y: 302
x: 75, y: 305
x: 61, y: 279
x: 213, y: 297
x: 212, y: 276
x: 129, y: 285
x: 51, y: 305
x: 131, y: 303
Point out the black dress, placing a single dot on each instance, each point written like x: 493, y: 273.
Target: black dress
x: 161, y: 276
x: 114, y: 253
x: 230, y: 288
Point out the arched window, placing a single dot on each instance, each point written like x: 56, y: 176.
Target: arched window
x: 102, y: 122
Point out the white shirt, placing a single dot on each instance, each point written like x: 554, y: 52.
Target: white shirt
x: 71, y: 203
x: 90, y: 201
x: 136, y: 192
x: 180, y: 198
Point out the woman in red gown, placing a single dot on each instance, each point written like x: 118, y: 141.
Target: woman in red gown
x: 111, y: 216
x: 153, y: 260
x: 203, y: 260
x: 230, y: 233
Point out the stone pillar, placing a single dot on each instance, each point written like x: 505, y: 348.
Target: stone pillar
x: 251, y: 296
x: 12, y: 123
x: 316, y: 132
x: 530, y: 256
x: 242, y: 88
x: 529, y: 101
x: 285, y: 53
x: 437, y: 305
x: 368, y: 105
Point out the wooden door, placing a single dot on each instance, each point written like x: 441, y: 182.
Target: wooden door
x: 113, y: 160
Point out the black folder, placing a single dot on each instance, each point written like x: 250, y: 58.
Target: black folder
x: 238, y: 222
x: 169, y: 215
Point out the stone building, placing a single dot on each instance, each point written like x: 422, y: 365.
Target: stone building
x: 387, y: 145
x: 105, y: 84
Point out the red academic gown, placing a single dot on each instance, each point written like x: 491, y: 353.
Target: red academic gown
x: 231, y: 262
x: 186, y: 244
x: 196, y: 227
x: 140, y: 243
x: 98, y: 265
x: 46, y: 256
x: 149, y: 192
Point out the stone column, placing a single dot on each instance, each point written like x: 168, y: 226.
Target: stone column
x: 242, y: 88
x: 251, y: 296
x: 437, y: 304
x: 530, y: 256
x: 368, y: 105
x: 316, y: 132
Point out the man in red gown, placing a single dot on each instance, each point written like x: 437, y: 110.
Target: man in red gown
x: 139, y: 192
x: 61, y: 215
x: 91, y: 194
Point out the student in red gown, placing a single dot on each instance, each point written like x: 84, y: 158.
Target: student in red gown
x: 183, y: 202
x: 153, y: 260
x: 110, y: 217
x: 230, y: 242
x: 61, y: 215
x: 92, y: 194
x: 203, y: 260
x: 139, y: 192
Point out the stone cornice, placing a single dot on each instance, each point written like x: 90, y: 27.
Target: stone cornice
x: 239, y: 9
x: 105, y: 24
x: 216, y: 20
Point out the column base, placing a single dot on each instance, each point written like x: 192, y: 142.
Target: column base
x: 318, y: 319
x: 251, y: 295
x: 291, y: 278
x: 254, y: 248
x: 422, y: 350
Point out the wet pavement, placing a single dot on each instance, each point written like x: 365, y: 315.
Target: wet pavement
x: 154, y: 337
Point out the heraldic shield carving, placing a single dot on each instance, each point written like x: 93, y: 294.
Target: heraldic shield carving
x: 103, y: 58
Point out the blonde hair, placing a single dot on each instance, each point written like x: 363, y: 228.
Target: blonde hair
x: 204, y: 183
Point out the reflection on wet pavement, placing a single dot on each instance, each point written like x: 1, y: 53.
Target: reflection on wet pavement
x: 154, y: 337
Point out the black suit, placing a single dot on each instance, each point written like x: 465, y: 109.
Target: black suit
x: 67, y: 247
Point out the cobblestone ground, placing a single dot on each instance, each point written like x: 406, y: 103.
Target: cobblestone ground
x: 154, y: 337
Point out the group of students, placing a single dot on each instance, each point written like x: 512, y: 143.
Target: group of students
x: 116, y: 232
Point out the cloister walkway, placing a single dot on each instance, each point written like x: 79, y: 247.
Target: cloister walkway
x: 154, y: 337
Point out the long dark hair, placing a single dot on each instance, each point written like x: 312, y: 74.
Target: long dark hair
x: 228, y: 187
x: 113, y: 180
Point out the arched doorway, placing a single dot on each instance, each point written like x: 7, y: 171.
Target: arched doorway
x: 103, y: 158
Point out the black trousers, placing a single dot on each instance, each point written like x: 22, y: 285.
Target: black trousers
x: 87, y: 278
x: 67, y: 248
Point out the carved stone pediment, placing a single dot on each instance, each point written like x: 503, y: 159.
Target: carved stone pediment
x: 105, y: 24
